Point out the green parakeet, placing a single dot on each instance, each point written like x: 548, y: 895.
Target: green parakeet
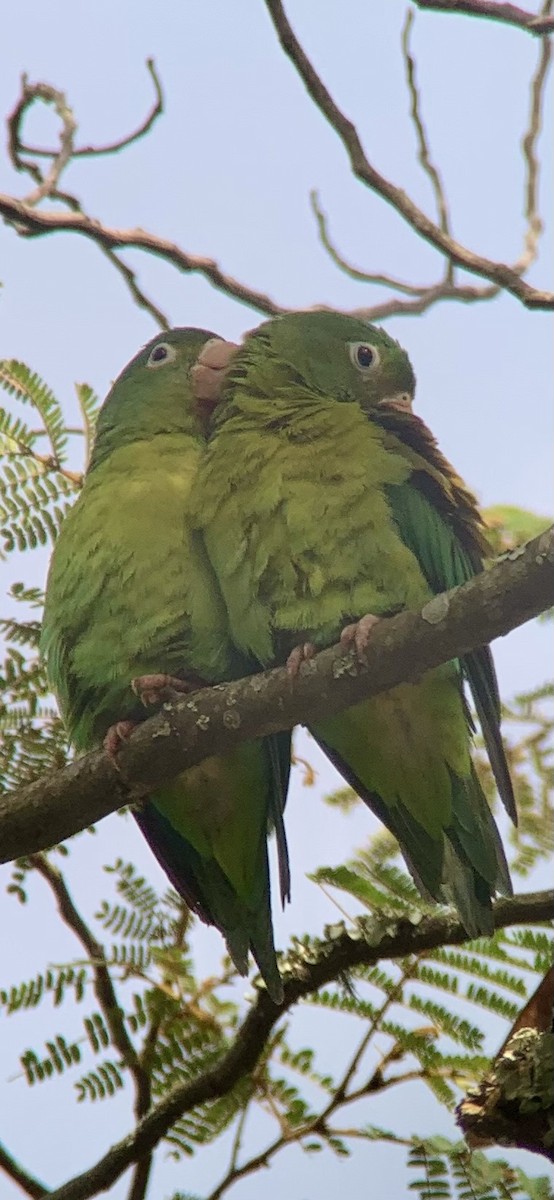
x: 131, y: 593
x: 324, y: 498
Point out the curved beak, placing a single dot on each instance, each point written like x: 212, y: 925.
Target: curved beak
x: 209, y: 372
x: 400, y: 401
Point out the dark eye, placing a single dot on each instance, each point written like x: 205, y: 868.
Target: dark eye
x: 161, y: 353
x: 363, y: 356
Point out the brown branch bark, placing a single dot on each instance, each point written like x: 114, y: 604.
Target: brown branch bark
x: 102, y: 981
x: 368, y: 942
x: 190, y: 729
x: 28, y: 1183
x: 499, y: 273
x: 509, y: 14
x: 35, y: 222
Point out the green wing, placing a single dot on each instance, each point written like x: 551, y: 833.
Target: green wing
x: 438, y: 520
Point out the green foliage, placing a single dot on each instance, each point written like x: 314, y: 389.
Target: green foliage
x: 33, y: 739
x: 34, y: 485
x: 59, y: 1055
x: 446, y: 1170
x: 101, y: 1083
x: 55, y: 981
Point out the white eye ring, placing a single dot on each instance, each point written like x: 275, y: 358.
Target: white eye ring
x: 156, y: 360
x: 364, y: 350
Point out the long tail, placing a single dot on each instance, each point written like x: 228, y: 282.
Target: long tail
x: 465, y: 867
x: 210, y: 895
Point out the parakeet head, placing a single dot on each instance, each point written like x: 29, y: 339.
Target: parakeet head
x: 153, y: 394
x: 337, y: 355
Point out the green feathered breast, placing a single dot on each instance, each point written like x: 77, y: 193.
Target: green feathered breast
x: 131, y: 592
x: 323, y: 498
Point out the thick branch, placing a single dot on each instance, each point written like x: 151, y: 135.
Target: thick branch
x: 509, y: 14
x: 514, y: 1104
x: 498, y: 273
x: 215, y: 720
x: 366, y: 943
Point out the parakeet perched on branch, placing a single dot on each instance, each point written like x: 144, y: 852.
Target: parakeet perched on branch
x: 323, y: 498
x: 130, y: 594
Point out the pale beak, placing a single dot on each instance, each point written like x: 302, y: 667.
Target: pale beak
x: 208, y: 374
x: 401, y: 401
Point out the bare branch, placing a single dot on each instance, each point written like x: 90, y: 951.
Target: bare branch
x: 529, y: 147
x: 509, y: 14
x: 33, y: 223
x: 47, y: 184
x: 498, y: 273
x: 216, y: 719
x: 304, y: 972
x: 463, y: 293
x: 398, y: 285
x: 102, y: 980
x: 425, y: 296
x: 140, y: 297
x: 14, y: 1170
x: 424, y: 154
x: 15, y: 122
x: 47, y: 187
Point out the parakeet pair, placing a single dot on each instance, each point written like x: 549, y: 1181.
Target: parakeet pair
x: 320, y: 497
x: 131, y: 593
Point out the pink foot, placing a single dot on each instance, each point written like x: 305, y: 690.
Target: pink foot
x: 210, y: 370
x: 359, y: 634
x: 300, y: 654
x: 153, y: 689
x: 116, y: 735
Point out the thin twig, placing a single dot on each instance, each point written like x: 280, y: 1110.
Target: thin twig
x: 341, y: 1094
x: 398, y: 285
x: 529, y: 148
x: 424, y: 152
x: 509, y: 14
x: 140, y: 297
x: 496, y: 272
x: 122, y: 143
x: 47, y: 462
x: 102, y: 980
x: 46, y: 183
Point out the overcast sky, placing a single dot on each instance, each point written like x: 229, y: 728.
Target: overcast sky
x: 227, y: 173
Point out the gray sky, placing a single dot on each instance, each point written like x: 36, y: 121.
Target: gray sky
x: 227, y: 173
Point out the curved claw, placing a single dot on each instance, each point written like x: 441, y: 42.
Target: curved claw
x: 300, y: 654
x: 359, y: 634
x: 154, y: 689
x: 116, y: 735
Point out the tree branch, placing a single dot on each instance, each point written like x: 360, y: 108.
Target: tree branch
x: 514, y: 1104
x: 213, y: 721
x: 427, y: 295
x: 305, y: 970
x: 499, y: 273
x: 509, y: 14
x: 35, y: 222
x: 28, y: 1184
x: 102, y: 980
